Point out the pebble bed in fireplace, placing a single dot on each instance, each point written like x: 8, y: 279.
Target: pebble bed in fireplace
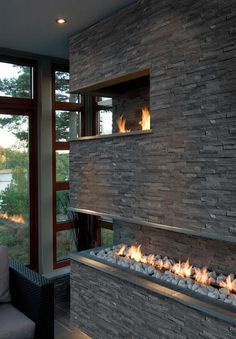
x: 200, y: 280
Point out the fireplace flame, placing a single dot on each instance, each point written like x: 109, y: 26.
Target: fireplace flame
x: 145, y: 122
x: 121, y: 124
x: 182, y: 269
x: 134, y: 252
x: 230, y: 284
x: 14, y: 218
x: 202, y: 275
x: 121, y: 250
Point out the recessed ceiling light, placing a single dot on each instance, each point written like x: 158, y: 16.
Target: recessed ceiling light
x: 60, y: 21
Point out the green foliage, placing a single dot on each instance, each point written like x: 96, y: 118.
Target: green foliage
x: 19, y: 87
x: 62, y: 205
x: 15, y: 198
x: 12, y: 158
x: 16, y: 238
x: 106, y: 237
x: 62, y: 125
x: 62, y: 86
x: 62, y: 166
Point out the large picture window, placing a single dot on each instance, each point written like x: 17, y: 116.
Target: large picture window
x: 67, y: 118
x: 18, y: 161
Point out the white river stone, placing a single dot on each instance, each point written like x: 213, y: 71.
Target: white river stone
x: 212, y: 295
x: 228, y: 301
x: 157, y: 274
x: 202, y: 290
x: 182, y: 283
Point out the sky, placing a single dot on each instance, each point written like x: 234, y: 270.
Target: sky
x: 8, y: 71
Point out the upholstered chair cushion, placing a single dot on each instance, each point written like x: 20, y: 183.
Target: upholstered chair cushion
x: 14, y: 324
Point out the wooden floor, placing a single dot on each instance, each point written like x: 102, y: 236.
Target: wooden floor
x: 63, y: 328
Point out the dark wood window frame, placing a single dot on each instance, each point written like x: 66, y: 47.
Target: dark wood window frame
x: 60, y: 146
x: 27, y: 107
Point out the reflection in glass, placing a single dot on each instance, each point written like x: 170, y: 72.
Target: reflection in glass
x: 62, y: 204
x: 68, y: 125
x: 62, y: 88
x: 65, y: 244
x: 62, y: 165
x: 14, y: 186
x: 16, y: 80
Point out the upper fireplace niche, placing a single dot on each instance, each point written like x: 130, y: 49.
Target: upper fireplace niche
x: 130, y: 104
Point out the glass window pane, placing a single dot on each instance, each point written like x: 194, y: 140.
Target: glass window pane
x: 62, y: 88
x: 14, y: 186
x: 68, y: 125
x: 62, y: 204
x: 105, y: 121
x: 104, y: 101
x: 62, y: 165
x: 106, y: 236
x: 15, y: 80
x: 65, y: 244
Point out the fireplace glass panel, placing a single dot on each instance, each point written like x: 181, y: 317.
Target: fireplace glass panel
x: 106, y: 236
x: 65, y: 244
x: 105, y: 121
x: 105, y: 115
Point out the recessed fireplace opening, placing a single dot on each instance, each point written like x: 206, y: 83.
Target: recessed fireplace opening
x: 123, y: 103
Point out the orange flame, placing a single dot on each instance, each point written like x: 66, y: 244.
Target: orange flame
x: 201, y: 275
x: 14, y: 218
x: 121, y: 124
x: 121, y: 250
x: 151, y: 260
x: 135, y: 253
x: 230, y: 284
x: 145, y: 122
x: 183, y: 269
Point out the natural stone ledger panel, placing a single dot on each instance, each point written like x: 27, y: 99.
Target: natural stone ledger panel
x: 184, y: 173
x: 106, y: 306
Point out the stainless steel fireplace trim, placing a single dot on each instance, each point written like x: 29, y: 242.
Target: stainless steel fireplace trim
x: 175, y: 229
x: 113, y: 135
x: 212, y: 308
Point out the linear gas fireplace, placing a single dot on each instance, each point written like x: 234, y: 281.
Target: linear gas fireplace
x: 166, y: 283
x: 119, y: 291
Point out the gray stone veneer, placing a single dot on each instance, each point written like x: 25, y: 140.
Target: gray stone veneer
x: 184, y: 174
x: 107, y: 307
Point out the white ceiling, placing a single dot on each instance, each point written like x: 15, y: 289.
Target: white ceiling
x: 29, y: 25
